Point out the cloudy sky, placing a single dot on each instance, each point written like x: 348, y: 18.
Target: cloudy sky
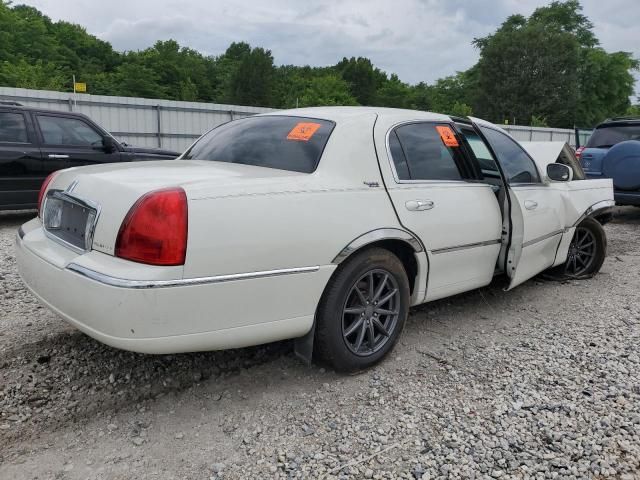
x: 417, y: 39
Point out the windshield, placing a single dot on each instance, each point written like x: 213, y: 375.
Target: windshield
x: 608, y: 136
x: 282, y: 142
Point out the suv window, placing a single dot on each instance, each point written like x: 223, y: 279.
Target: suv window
x: 606, y: 136
x: 516, y: 164
x: 425, y: 155
x: 13, y: 128
x: 67, y: 131
x: 282, y: 142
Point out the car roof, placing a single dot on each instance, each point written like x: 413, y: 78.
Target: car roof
x: 631, y: 120
x: 338, y: 114
x: 15, y: 106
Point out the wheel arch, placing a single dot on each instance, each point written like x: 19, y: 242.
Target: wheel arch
x: 405, y: 245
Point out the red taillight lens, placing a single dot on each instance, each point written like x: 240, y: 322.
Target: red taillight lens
x: 579, y: 152
x: 43, y: 190
x: 155, y: 229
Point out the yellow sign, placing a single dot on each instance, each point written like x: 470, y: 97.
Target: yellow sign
x: 80, y: 87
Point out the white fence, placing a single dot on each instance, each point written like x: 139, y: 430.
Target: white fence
x: 175, y: 125
x: 137, y: 121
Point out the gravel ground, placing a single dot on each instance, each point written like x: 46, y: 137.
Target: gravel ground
x: 539, y: 382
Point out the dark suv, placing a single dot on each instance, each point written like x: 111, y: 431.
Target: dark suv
x: 613, y: 151
x: 36, y: 142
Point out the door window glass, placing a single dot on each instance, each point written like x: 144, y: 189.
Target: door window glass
x: 426, y: 156
x: 487, y: 163
x: 13, y: 128
x: 516, y: 164
x: 67, y: 131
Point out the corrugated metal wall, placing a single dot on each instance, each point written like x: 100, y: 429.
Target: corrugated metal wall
x: 138, y: 121
x: 175, y: 125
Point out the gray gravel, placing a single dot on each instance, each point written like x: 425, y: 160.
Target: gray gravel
x: 539, y: 382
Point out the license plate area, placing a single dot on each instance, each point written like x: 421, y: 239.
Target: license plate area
x: 69, y: 220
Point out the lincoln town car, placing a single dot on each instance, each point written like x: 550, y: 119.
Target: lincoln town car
x: 323, y: 225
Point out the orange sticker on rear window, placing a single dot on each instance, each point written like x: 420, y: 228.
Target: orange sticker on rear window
x: 303, y: 131
x: 447, y: 136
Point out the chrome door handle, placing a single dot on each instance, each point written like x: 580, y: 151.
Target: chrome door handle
x: 417, y: 205
x: 53, y: 155
x: 530, y: 204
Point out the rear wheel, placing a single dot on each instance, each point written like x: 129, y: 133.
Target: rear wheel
x: 363, y: 310
x: 587, y: 250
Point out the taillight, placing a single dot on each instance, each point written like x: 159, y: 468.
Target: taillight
x: 579, y: 152
x: 43, y: 190
x: 155, y: 229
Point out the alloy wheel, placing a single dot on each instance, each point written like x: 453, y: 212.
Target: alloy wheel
x: 370, y: 313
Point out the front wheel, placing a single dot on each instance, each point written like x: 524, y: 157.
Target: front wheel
x: 363, y: 310
x: 587, y: 250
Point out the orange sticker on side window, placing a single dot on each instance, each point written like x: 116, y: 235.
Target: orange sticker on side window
x: 303, y: 131
x: 447, y: 136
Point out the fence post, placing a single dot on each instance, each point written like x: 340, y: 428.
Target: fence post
x: 231, y: 115
x: 159, y: 131
x: 70, y: 104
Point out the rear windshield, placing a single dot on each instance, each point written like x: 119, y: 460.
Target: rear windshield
x: 285, y: 143
x: 608, y: 136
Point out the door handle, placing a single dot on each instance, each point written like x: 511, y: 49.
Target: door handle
x: 54, y: 155
x: 530, y: 204
x: 417, y: 205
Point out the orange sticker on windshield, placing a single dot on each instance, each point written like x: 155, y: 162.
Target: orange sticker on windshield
x: 303, y: 131
x: 447, y: 136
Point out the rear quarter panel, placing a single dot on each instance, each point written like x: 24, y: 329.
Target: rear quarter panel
x: 296, y: 223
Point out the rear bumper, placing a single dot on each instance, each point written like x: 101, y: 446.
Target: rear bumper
x: 171, y: 317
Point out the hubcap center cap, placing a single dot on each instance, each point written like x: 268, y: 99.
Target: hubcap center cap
x: 368, y: 311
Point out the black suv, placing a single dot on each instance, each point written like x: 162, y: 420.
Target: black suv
x: 36, y: 142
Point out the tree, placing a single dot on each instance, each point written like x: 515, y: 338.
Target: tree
x: 550, y: 66
x: 362, y: 78
x: 251, y: 82
x: 327, y: 90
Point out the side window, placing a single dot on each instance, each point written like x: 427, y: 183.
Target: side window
x: 399, y: 159
x: 67, y: 131
x: 487, y: 163
x: 13, y: 128
x: 516, y: 164
x: 425, y: 155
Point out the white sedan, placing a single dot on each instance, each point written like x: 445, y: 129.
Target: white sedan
x: 320, y: 224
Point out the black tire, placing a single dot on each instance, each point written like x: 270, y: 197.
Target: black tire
x: 587, y: 232
x: 334, y: 319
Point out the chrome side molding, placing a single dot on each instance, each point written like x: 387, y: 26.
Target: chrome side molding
x: 182, y: 282
x: 466, y: 246
x: 375, y: 236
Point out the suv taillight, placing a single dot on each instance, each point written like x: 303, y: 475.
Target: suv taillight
x: 43, y: 190
x: 579, y: 152
x: 155, y: 229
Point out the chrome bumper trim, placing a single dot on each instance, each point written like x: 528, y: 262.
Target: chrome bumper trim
x: 140, y: 284
x: 466, y: 246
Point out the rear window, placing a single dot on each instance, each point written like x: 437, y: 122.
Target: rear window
x: 608, y: 136
x: 285, y: 143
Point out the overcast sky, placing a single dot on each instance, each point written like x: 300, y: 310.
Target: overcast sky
x: 420, y: 40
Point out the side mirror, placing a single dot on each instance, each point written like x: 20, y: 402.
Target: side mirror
x: 109, y: 144
x: 557, y: 172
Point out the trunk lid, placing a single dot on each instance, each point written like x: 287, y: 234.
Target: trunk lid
x: 114, y: 188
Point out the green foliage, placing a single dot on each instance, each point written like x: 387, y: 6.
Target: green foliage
x: 549, y: 66
x: 547, y: 69
x: 329, y: 89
